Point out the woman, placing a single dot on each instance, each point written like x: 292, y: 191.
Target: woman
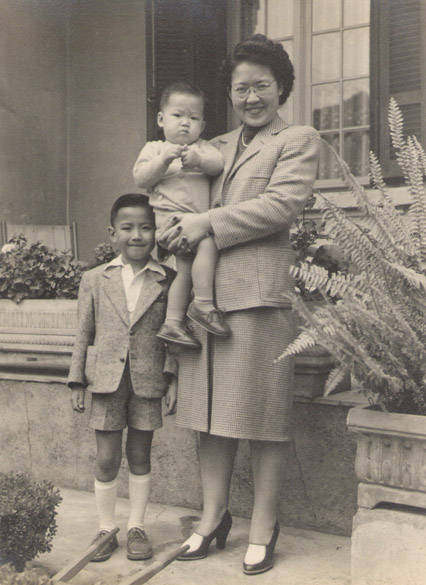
x: 232, y: 389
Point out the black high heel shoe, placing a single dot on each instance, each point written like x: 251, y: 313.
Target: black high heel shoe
x: 267, y: 562
x: 220, y: 534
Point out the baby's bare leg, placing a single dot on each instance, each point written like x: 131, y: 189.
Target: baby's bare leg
x: 180, y: 289
x: 203, y: 271
x: 174, y: 328
x: 202, y: 309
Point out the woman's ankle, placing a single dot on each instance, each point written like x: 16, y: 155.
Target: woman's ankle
x: 209, y: 522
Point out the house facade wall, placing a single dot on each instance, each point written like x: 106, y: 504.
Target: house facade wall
x: 106, y: 110
x: 39, y: 433
x: 32, y: 111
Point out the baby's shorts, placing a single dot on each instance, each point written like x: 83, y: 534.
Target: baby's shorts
x: 116, y: 410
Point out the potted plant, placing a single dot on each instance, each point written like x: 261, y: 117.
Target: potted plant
x: 38, y: 288
x: 376, y: 329
x: 27, y: 518
x: 312, y: 246
x: 38, y: 307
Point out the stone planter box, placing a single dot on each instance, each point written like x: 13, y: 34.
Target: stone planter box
x: 36, y: 338
x: 311, y: 370
x: 391, y: 457
x: 388, y: 533
x: 312, y: 367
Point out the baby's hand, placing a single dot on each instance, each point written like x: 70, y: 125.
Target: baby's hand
x: 170, y: 153
x: 190, y: 158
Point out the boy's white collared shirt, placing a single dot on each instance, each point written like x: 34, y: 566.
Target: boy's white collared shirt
x: 133, y: 283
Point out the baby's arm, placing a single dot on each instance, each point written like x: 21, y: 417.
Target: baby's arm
x: 153, y: 162
x: 206, y: 158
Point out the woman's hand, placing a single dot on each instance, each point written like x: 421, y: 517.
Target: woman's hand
x: 184, y: 232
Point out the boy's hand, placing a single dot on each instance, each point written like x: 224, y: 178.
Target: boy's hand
x: 171, y: 397
x: 190, y: 158
x: 77, y: 398
x: 170, y: 153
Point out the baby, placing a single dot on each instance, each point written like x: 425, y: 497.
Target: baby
x: 176, y: 174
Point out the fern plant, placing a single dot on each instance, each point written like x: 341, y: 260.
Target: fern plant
x: 377, y: 327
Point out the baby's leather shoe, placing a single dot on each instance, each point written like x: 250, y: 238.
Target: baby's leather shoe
x: 212, y: 320
x: 178, y: 333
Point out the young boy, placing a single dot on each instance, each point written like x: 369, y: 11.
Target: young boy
x: 176, y: 174
x: 118, y: 357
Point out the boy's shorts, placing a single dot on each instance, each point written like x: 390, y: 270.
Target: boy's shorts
x: 116, y: 410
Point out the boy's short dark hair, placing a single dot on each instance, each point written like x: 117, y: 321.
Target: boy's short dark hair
x: 129, y: 200
x: 180, y: 87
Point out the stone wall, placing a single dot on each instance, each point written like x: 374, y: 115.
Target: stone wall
x: 106, y: 110
x: 33, y: 111
x: 40, y: 433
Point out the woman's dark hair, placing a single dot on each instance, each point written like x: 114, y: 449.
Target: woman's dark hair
x: 130, y: 200
x: 261, y: 51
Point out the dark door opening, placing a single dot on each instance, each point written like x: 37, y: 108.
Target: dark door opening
x: 186, y: 41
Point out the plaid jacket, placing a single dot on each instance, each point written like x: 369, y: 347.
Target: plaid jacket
x: 106, y: 338
x: 254, y: 203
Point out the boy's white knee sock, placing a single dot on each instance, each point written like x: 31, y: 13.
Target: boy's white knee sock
x: 139, y: 488
x: 105, y: 497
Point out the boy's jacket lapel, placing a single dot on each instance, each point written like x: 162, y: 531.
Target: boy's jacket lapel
x: 114, y: 289
x: 151, y: 290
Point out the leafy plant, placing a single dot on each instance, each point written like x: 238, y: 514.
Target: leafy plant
x: 105, y: 253
x: 33, y: 271
x: 27, y: 517
x: 312, y: 245
x: 377, y: 327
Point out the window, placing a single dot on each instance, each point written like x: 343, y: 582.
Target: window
x: 351, y: 57
x: 328, y: 42
x: 398, y: 69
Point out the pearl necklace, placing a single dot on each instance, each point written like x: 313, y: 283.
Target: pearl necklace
x: 243, y: 142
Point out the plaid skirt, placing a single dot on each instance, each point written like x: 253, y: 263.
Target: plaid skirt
x: 232, y: 387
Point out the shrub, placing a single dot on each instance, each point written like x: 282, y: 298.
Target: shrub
x: 377, y: 327
x: 105, y: 253
x: 27, y: 517
x: 33, y: 271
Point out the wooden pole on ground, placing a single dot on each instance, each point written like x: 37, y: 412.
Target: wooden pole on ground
x: 146, y: 574
x: 75, y: 566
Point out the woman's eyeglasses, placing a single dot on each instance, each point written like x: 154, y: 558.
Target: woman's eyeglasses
x: 260, y: 89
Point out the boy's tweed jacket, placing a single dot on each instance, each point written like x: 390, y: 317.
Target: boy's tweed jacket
x: 106, y: 338
x: 255, y: 201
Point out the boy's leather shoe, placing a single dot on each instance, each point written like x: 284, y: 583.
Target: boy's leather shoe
x: 178, y: 333
x: 213, y: 321
x: 138, y: 546
x: 106, y: 551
